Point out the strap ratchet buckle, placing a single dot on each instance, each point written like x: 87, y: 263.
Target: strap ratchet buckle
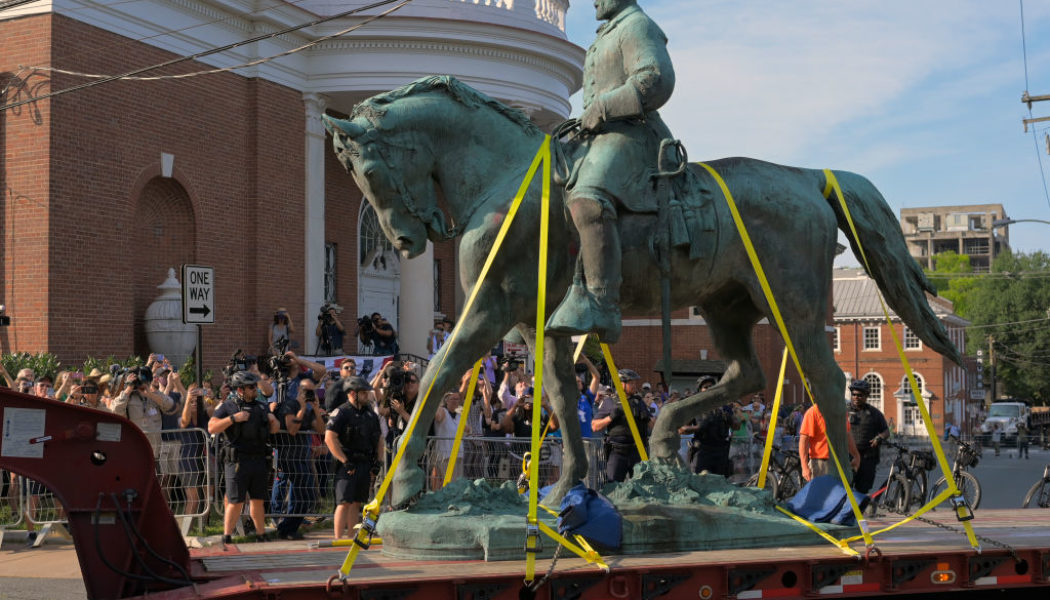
x: 368, y: 526
x: 963, y: 512
x: 533, y: 541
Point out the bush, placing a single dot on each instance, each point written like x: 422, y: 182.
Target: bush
x: 42, y: 363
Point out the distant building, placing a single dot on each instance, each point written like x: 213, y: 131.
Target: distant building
x: 961, y: 229
x: 864, y: 349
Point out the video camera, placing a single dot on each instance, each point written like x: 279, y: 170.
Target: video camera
x: 395, y: 382
x: 325, y: 315
x: 364, y: 323
x: 510, y: 363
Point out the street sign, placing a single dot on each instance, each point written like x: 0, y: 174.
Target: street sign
x: 198, y: 294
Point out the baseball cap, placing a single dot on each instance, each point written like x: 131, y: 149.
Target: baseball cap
x: 356, y: 384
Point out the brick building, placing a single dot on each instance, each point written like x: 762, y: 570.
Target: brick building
x: 865, y: 350
x: 106, y: 188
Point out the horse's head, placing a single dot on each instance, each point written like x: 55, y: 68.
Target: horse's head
x: 395, y: 177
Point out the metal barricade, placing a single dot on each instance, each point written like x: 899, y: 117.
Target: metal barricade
x: 183, y: 473
x: 41, y: 507
x: 500, y: 459
x: 11, y: 511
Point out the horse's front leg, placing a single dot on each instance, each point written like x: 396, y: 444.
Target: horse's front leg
x: 475, y: 335
x: 560, y: 386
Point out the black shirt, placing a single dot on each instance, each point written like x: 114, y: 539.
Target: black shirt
x: 865, y: 423
x: 618, y: 430
x: 358, y: 431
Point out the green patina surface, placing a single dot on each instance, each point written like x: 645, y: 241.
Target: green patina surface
x: 664, y: 510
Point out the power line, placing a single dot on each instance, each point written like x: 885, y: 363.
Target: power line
x: 1024, y: 46
x: 1035, y: 138
x: 1009, y: 323
x: 135, y: 72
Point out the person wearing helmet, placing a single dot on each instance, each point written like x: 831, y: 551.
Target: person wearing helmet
x: 621, y: 451
x: 868, y: 427
x: 143, y: 406
x: 353, y: 437
x: 246, y: 425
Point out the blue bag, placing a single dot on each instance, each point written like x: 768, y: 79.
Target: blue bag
x: 823, y: 500
x: 588, y: 513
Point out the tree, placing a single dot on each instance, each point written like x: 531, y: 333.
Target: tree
x: 947, y: 276
x: 1011, y: 305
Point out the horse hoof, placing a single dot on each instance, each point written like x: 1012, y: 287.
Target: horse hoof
x: 406, y: 487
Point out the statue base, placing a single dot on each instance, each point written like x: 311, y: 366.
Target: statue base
x: 664, y: 510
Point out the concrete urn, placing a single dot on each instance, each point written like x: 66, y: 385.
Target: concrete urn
x: 165, y: 331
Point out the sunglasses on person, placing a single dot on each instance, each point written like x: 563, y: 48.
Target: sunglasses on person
x: 89, y: 390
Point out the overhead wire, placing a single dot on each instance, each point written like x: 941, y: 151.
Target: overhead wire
x: 1035, y: 137
x: 1044, y: 319
x: 101, y: 79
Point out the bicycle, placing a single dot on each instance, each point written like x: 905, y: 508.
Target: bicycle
x: 784, y: 474
x: 1040, y: 492
x: 907, y: 480
x: 966, y: 457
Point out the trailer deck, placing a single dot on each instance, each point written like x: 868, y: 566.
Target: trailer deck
x: 914, y: 558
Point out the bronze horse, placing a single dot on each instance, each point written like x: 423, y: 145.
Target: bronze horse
x: 437, y: 133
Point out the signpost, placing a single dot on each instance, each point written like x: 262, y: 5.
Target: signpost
x: 198, y: 305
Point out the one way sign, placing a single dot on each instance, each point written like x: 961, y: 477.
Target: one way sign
x: 198, y: 294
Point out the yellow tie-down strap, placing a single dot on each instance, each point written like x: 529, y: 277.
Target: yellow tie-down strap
x: 760, y: 273
x: 371, y: 510
x: 631, y: 424
x: 963, y: 512
x: 772, y: 423
x: 462, y: 426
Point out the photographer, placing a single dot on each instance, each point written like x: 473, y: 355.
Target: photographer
x: 353, y: 438
x: 246, y: 425
x: 329, y: 331
x: 514, y: 383
x: 281, y: 328
x: 377, y: 332
x: 196, y: 412
x: 397, y: 389
x: 292, y: 369
x: 143, y: 406
x: 300, y: 416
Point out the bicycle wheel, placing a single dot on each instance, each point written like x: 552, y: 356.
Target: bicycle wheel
x: 771, y: 483
x: 918, y: 491
x: 789, y: 484
x: 898, y: 495
x: 967, y: 484
x: 1040, y: 494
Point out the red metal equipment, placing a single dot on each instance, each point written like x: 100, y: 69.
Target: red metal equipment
x: 100, y: 468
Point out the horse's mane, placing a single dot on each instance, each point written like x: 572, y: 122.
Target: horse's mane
x: 375, y: 108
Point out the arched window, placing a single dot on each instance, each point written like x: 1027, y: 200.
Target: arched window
x: 875, y: 381
x: 906, y: 385
x: 371, y: 239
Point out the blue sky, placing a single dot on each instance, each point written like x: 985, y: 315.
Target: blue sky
x: 921, y: 96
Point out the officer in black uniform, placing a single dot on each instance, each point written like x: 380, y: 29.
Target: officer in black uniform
x: 621, y: 453
x: 868, y: 427
x: 352, y: 435
x: 247, y: 425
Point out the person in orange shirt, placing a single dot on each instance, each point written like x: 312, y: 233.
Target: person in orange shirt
x: 813, y: 446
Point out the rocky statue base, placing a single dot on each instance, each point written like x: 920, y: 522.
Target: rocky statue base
x: 664, y: 510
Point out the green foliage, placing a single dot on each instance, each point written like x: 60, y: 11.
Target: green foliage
x: 1022, y: 349
x: 42, y: 363
x: 103, y: 364
x: 947, y: 264
x: 188, y: 371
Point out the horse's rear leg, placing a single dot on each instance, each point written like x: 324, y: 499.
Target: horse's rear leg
x: 743, y: 376
x: 827, y: 382
x: 474, y: 340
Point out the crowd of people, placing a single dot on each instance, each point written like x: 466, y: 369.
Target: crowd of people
x: 279, y: 436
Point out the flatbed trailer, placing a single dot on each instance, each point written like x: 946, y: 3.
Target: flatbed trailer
x: 100, y: 467
x: 916, y: 558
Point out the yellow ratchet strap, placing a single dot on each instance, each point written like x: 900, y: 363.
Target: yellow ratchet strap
x: 772, y: 422
x: 764, y: 282
x: 371, y: 511
x: 963, y: 512
x: 840, y: 544
x: 579, y: 347
x: 462, y: 426
x: 624, y: 403
x: 532, y: 524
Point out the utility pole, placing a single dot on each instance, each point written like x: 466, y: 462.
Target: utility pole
x: 1027, y: 99
x: 991, y: 365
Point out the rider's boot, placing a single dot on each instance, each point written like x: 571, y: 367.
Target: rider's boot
x: 594, y: 308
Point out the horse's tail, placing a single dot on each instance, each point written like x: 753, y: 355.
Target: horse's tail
x: 897, y: 274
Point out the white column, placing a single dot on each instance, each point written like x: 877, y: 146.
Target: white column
x: 416, y: 315
x: 313, y: 294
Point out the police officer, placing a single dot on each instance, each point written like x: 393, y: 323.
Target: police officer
x: 247, y: 425
x: 621, y: 453
x: 352, y: 435
x: 868, y: 427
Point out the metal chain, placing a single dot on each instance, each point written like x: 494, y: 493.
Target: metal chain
x: 542, y: 580
x: 998, y: 544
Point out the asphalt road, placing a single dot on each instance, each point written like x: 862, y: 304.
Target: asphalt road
x: 1005, y: 479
